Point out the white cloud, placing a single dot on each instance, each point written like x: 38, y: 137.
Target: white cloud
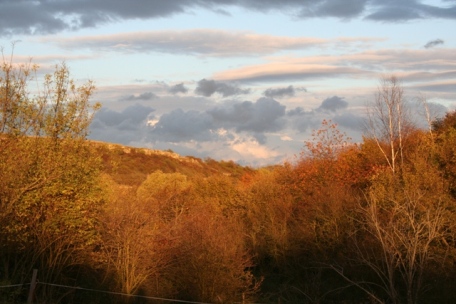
x: 251, y: 150
x: 286, y: 138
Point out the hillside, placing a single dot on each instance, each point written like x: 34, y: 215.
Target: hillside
x: 130, y: 166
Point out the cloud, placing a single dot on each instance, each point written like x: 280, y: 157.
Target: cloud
x: 120, y: 127
x: 252, y: 149
x: 296, y: 111
x: 400, y: 11
x: 44, y: 17
x: 143, y: 96
x: 251, y: 132
x: 264, y: 115
x: 395, y: 13
x: 433, y: 43
x: 209, y: 87
x: 179, y: 125
x: 367, y: 64
x: 436, y: 87
x: 252, y: 118
x: 334, y: 108
x: 280, y: 92
x: 340, y: 9
x: 113, y: 96
x: 178, y: 88
x: 206, y: 42
x: 244, y: 150
x: 276, y: 71
x: 133, y: 115
x: 302, y: 120
x: 333, y: 104
x: 349, y: 120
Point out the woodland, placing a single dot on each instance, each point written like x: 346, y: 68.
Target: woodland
x: 344, y: 222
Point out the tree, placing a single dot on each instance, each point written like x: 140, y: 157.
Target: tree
x: 327, y: 142
x: 445, y: 123
x: 388, y: 121
x: 404, y: 217
x: 446, y: 148
x: 211, y: 261
x: 166, y: 194
x: 304, y: 213
x: 324, y: 176
x: 408, y: 221
x: 131, y: 250
x: 269, y: 219
x: 49, y: 194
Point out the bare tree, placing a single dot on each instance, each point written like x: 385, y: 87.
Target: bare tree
x: 387, y: 121
x: 404, y: 216
x: 404, y: 220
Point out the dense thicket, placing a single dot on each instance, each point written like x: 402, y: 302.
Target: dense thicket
x: 367, y: 222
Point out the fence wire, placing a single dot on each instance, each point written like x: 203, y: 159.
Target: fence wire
x: 122, y: 294
x: 108, y: 292
x: 15, y: 285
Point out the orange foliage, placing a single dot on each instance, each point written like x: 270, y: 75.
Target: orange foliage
x: 328, y: 163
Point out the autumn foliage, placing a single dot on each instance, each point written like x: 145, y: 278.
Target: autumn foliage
x: 368, y: 222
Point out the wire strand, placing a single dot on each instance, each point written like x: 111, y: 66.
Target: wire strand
x: 122, y: 294
x: 15, y: 285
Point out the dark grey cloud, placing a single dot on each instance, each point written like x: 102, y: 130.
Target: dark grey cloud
x: 302, y: 120
x: 209, y: 87
x: 296, y: 111
x: 433, y: 43
x: 44, y: 16
x: 178, y: 88
x: 265, y: 115
x: 253, y: 118
x: 280, y: 92
x: 143, y: 96
x: 179, y: 125
x: 132, y: 115
x: 334, y: 108
x: 404, y: 10
x: 28, y: 17
x: 397, y: 12
x: 120, y: 127
x: 340, y: 9
x: 333, y: 104
x: 350, y: 121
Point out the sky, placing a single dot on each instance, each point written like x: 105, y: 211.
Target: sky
x: 240, y: 80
